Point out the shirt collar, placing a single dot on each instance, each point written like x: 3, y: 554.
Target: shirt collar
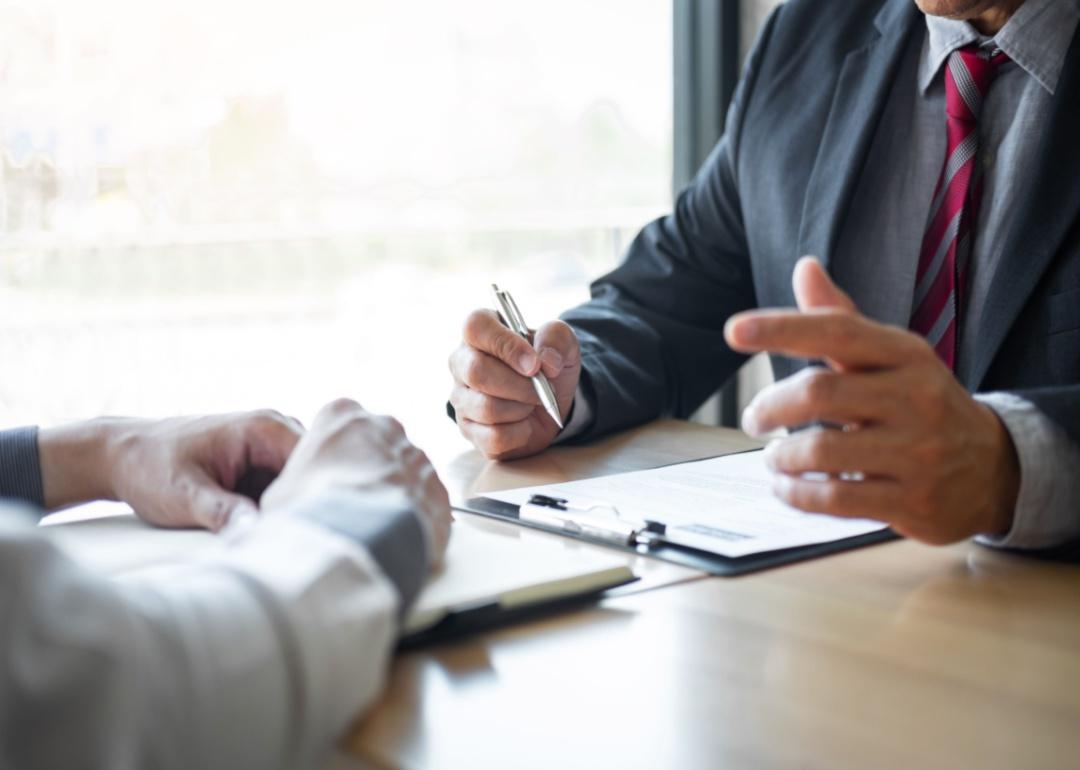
x: 1037, y: 38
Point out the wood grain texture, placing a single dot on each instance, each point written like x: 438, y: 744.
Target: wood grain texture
x: 893, y: 656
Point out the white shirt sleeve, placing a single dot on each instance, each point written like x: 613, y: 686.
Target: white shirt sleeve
x: 579, y: 420
x: 260, y: 655
x: 1048, y: 507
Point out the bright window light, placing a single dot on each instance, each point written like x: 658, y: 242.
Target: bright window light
x: 223, y: 204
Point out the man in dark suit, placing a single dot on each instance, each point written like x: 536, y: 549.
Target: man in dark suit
x: 928, y: 154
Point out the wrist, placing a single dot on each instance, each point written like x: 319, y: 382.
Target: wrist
x: 382, y: 520
x: 77, y: 462
x: 1005, y: 480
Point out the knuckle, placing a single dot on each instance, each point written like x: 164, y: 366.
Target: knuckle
x: 487, y: 410
x: 475, y: 369
x: 459, y: 362
x: 347, y: 424
x: 817, y: 449
x: 819, y: 387
x: 783, y: 488
x: 501, y: 444
x: 476, y: 323
x: 559, y: 335
x: 832, y: 496
x: 456, y: 397
x: 488, y: 444
x: 389, y: 426
x: 342, y: 406
x: 267, y: 419
x: 507, y: 346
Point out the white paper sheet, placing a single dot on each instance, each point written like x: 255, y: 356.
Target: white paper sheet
x: 724, y: 505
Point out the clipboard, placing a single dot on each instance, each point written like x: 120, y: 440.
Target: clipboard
x: 648, y: 539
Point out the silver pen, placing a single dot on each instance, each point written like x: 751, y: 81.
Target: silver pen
x: 505, y: 304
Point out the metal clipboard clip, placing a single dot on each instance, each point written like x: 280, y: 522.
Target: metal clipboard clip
x: 596, y: 522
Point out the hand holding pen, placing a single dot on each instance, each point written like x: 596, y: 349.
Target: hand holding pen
x: 513, y: 388
x: 512, y: 317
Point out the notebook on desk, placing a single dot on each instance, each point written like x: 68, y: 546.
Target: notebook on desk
x: 488, y: 578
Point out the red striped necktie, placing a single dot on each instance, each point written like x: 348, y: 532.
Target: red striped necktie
x: 946, y: 247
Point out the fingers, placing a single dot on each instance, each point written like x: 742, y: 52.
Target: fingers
x: 815, y: 289
x: 850, y: 339
x: 484, y: 332
x: 269, y: 438
x: 212, y: 507
x: 558, y: 348
x: 874, y: 452
x: 487, y: 374
x: 371, y: 452
x: 498, y: 442
x: 822, y: 395
x: 877, y: 499
x: 343, y: 422
x: 478, y: 407
x: 337, y: 409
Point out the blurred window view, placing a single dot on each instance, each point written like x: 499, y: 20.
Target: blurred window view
x: 226, y: 204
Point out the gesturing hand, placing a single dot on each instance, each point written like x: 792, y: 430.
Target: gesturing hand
x: 352, y: 453
x: 916, y: 450
x: 497, y: 408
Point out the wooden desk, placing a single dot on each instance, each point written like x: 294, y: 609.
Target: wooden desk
x: 898, y: 655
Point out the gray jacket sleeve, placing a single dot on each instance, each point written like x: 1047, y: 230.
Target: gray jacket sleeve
x: 261, y: 654
x: 20, y: 467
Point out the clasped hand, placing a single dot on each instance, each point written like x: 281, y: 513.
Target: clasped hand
x: 912, y: 447
x: 208, y: 471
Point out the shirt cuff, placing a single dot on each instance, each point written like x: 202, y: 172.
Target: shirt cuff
x: 581, y: 416
x: 20, y: 466
x: 386, y: 525
x: 1046, y: 515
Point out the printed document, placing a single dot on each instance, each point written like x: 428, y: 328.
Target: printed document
x: 724, y: 505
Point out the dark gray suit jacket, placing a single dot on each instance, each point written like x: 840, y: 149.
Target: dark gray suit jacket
x: 777, y: 186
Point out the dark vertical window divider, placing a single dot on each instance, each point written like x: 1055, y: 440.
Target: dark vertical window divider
x: 706, y: 71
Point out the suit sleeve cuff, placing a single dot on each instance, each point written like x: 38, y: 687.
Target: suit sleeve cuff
x: 20, y: 466
x: 1046, y: 514
x: 387, y: 526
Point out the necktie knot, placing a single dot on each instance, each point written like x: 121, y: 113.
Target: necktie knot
x: 970, y: 72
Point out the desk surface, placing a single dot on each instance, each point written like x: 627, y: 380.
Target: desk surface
x: 897, y: 655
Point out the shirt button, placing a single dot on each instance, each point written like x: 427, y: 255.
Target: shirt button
x: 988, y: 159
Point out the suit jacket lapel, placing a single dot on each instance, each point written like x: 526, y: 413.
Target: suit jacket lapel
x: 1051, y: 206
x: 861, y: 92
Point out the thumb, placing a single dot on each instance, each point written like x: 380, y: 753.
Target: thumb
x: 213, y: 507
x: 815, y: 289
